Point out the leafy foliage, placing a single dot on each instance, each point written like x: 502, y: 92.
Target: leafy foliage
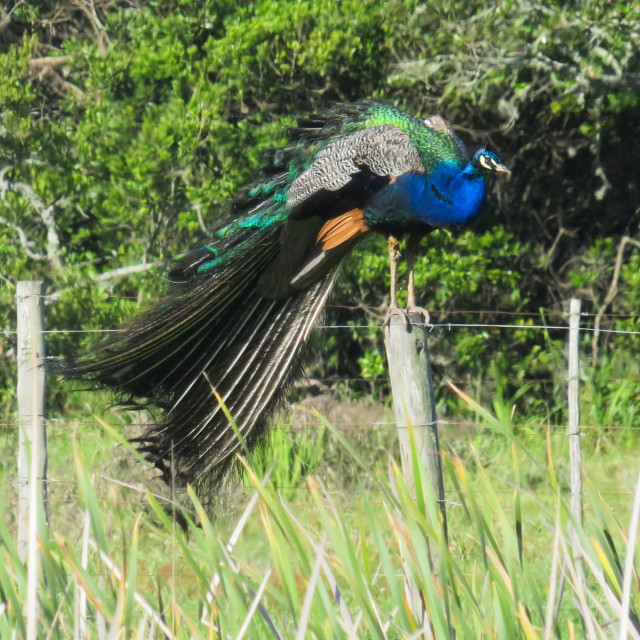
x: 125, y: 127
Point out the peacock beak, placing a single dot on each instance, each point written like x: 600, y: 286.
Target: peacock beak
x: 501, y: 168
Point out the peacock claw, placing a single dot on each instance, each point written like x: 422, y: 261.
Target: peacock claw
x: 426, y: 318
x: 404, y: 314
x: 394, y: 310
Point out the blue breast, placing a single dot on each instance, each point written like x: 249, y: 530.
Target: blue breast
x: 448, y: 197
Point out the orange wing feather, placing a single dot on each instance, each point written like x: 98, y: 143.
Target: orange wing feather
x: 341, y: 229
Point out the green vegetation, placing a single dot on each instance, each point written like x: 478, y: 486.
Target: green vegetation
x: 124, y: 128
x: 115, y: 560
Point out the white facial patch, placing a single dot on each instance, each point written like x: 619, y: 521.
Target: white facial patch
x: 487, y: 162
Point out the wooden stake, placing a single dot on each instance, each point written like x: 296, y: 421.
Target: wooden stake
x: 32, y: 448
x: 414, y: 404
x: 573, y: 430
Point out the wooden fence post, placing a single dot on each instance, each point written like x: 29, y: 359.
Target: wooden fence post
x: 573, y: 430
x: 32, y: 447
x: 414, y: 404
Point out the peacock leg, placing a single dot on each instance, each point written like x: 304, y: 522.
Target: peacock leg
x: 413, y: 246
x: 394, y: 254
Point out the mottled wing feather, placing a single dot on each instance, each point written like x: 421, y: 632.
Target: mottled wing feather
x: 385, y: 150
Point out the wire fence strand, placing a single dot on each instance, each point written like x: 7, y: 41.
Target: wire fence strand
x: 377, y: 327
x: 363, y: 426
x: 522, y: 321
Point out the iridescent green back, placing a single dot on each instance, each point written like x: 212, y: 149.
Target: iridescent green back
x: 434, y: 145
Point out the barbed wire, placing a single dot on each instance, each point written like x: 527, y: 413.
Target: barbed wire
x: 382, y: 379
x: 532, y: 503
x: 376, y: 327
x: 541, y: 312
x: 473, y: 325
x: 540, y: 429
x: 343, y: 503
x: 362, y: 427
x: 338, y: 492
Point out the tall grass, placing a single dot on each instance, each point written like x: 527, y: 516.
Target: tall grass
x: 316, y: 564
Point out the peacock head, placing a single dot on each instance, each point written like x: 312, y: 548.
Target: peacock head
x: 487, y: 162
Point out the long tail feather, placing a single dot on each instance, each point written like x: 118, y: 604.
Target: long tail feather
x: 214, y: 331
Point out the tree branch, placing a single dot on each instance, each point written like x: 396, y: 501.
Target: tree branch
x: 24, y: 240
x: 49, y: 61
x: 121, y: 272
x: 112, y: 274
x: 611, y: 294
x: 46, y: 215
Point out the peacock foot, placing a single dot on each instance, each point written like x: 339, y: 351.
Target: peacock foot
x: 426, y: 318
x: 404, y: 314
x: 395, y: 310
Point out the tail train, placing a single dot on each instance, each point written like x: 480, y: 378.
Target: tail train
x: 214, y: 331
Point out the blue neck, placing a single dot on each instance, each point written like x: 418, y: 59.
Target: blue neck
x: 447, y: 197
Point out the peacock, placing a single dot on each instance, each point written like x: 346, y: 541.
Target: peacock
x: 229, y: 337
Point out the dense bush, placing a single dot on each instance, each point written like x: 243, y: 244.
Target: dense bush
x: 124, y: 127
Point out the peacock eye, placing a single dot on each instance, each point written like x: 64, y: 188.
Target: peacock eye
x: 487, y: 162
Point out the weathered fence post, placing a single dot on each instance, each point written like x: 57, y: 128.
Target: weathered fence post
x: 414, y: 404
x: 32, y: 446
x: 573, y: 430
